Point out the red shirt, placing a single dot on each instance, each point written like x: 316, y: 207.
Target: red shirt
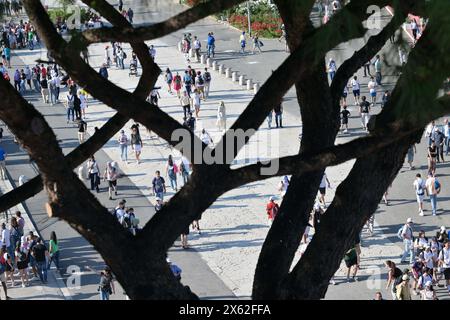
x: 272, y: 209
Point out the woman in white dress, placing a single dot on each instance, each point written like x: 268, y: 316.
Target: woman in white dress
x: 221, y: 117
x: 83, y: 104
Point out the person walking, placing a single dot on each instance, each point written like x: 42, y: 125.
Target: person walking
x: 439, y: 140
x: 332, y: 68
x: 53, y: 249
x: 403, y: 289
x: 44, y: 89
x: 377, y: 65
x: 256, y: 43
x: 82, y: 95
x: 185, y: 168
x: 211, y: 45
x: 433, y: 188
x: 419, y: 187
x: 242, y: 42
x: 394, y: 278
x: 221, y: 117
x: 278, y: 110
x: 70, y: 105
x: 136, y: 143
x: 351, y: 261
x: 407, y: 236
x: 21, y: 261
x: 171, y: 173
x: 111, y: 176
x: 130, y: 14
x: 356, y: 88
x: 444, y: 262
x: 168, y: 78
x: 3, y: 155
x: 207, y: 83
x: 185, y: 102
x: 106, y: 285
x: 82, y: 128
x: 197, y: 45
x: 158, y: 186
x: 367, y: 69
x: 123, y: 144
x: 364, y: 111
x: 344, y: 119
x: 432, y: 155
x: 269, y: 119
x: 372, y: 85
x: 187, y: 80
x: 176, y: 84
x: 196, y: 102
x: 323, y: 188
x: 429, y: 132
x: 410, y: 156
x: 94, y: 173
x: 272, y: 209
x: 41, y: 254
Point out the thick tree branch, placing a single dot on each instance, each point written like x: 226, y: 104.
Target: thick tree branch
x: 160, y: 29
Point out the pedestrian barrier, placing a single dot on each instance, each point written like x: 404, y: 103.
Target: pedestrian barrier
x: 249, y: 84
x: 221, y: 67
x: 241, y: 80
x: 227, y: 72
x: 214, y: 65
x: 208, y: 62
x: 191, y: 53
x: 234, y: 76
x: 202, y: 59
x: 255, y: 88
x: 180, y: 46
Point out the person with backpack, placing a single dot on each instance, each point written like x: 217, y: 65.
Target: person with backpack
x: 207, y: 83
x: 211, y: 45
x: 200, y: 84
x: 106, y: 285
x: 351, y: 261
x: 111, y: 175
x: 433, y: 188
x: 176, y: 84
x: 3, y: 264
x: 272, y: 209
x: 168, y: 78
x: 419, y: 187
x: 70, y: 105
x: 406, y: 234
x: 394, y: 278
x: 104, y: 71
x: 187, y: 80
x: 94, y: 173
x: 158, y: 186
x: 171, y: 173
x: 428, y: 293
x: 403, y: 289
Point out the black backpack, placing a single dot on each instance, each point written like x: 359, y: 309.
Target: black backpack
x: 398, y: 274
x: 200, y: 80
x: 207, y: 76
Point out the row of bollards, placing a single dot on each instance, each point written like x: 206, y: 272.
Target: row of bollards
x: 221, y: 69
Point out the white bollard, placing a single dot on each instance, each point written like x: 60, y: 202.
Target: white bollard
x: 202, y: 59
x: 208, y: 62
x: 214, y: 65
x: 249, y: 84
x: 241, y: 80
x: 191, y: 53
x: 255, y: 88
x: 180, y: 46
x: 228, y: 73
x: 221, y: 67
x: 234, y: 76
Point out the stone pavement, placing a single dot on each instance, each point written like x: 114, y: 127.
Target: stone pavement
x: 231, y: 239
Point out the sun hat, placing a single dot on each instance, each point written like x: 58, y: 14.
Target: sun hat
x: 405, y: 277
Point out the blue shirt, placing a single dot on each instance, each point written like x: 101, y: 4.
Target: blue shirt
x: 2, y: 154
x: 211, y: 40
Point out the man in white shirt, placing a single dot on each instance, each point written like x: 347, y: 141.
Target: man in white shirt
x: 185, y: 168
x: 205, y: 137
x: 120, y: 210
x: 197, y: 46
x: 433, y: 187
x: 419, y: 187
x: 430, y: 132
x: 6, y: 240
x: 447, y: 136
x: 356, y: 89
x: 444, y: 261
x: 407, y: 235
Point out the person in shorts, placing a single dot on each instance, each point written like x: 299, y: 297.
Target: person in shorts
x: 444, y: 261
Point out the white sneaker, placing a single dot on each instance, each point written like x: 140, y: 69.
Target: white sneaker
x: 421, y: 213
x: 23, y: 285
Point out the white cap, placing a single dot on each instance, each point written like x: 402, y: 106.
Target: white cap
x: 272, y: 198
x: 168, y: 260
x: 409, y: 220
x: 442, y: 228
x: 428, y: 284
